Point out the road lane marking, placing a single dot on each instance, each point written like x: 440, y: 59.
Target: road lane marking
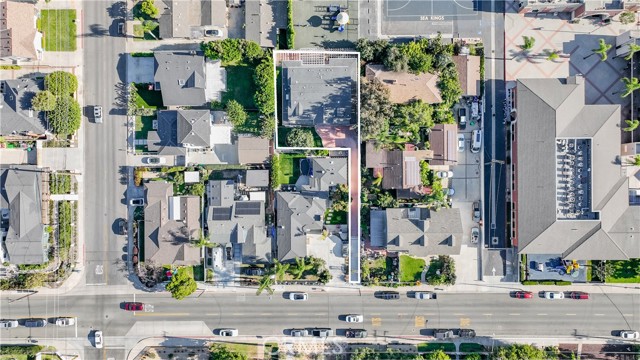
x: 320, y: 314
x: 429, y: 314
x: 487, y: 314
x: 541, y: 314
x: 237, y: 314
x: 419, y: 321
x: 266, y: 314
x: 160, y: 314
x: 627, y: 314
x: 570, y: 314
x: 514, y: 314
x: 375, y: 314
x: 465, y: 322
x: 292, y: 314
x: 376, y: 321
x: 402, y: 314
x: 458, y: 314
x: 211, y: 314
x: 598, y: 314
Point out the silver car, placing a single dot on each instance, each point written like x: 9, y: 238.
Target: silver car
x: 299, y: 332
x: 552, y: 295
x: 354, y: 318
x: 65, y: 321
x: 425, y: 295
x: 97, y: 339
x: 8, y: 324
x: 298, y: 296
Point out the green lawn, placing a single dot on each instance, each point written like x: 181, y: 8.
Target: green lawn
x: 59, y: 29
x: 14, y: 357
x: 144, y: 124
x: 149, y: 99
x: 251, y: 126
x: 472, y: 347
x: 284, y: 131
x: 410, y: 268
x: 625, y: 271
x: 433, y: 346
x: 140, y: 34
x: 290, y: 168
x: 240, y: 86
x: 335, y: 217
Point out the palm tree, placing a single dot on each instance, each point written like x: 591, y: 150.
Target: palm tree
x: 633, y: 48
x: 602, y: 50
x: 377, y: 181
x: 279, y: 269
x: 529, y: 42
x: 265, y: 283
x: 202, y: 242
x: 301, y: 266
x: 148, y: 26
x: 552, y: 54
x: 631, y: 85
x: 635, y: 161
x: 633, y: 124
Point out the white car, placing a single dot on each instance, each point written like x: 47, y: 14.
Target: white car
x: 444, y: 174
x: 552, y: 295
x: 97, y: 339
x: 97, y: 114
x: 136, y: 202
x: 354, y: 318
x: 629, y: 334
x: 155, y: 160
x: 65, y: 321
x: 8, y: 324
x: 475, y: 235
x: 424, y: 295
x: 228, y: 332
x: 460, y: 142
x: 298, y: 296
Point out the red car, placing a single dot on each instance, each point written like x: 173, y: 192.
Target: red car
x: 133, y: 306
x: 579, y: 295
x: 524, y: 295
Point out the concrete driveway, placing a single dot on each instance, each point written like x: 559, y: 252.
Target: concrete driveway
x: 140, y: 69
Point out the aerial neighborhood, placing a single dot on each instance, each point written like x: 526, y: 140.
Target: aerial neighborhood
x: 235, y: 179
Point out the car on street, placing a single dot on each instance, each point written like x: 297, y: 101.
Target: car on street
x: 31, y: 323
x: 136, y: 202
x: 298, y: 296
x: 356, y: 333
x: 155, y: 160
x: 476, y: 141
x: 475, y: 235
x: 133, y: 306
x: 213, y: 32
x: 523, y: 295
x: 476, y: 211
x: 321, y: 332
x: 387, y: 295
x: 443, y: 333
x: 8, y: 324
x: 553, y: 295
x: 444, y: 174
x: 460, y: 142
x: 354, y: 318
x: 122, y: 226
x: 65, y: 321
x: 228, y: 332
x: 97, y: 114
x: 425, y: 295
x: 579, y: 295
x: 299, y: 332
x: 629, y: 334
x: 97, y: 339
x: 466, y: 333
x: 254, y: 271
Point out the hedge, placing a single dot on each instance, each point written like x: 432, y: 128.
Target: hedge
x: 291, y: 34
x: 10, y: 67
x: 547, y: 282
x: 142, y: 54
x: 20, y: 349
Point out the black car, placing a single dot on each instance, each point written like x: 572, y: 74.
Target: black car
x: 35, y: 323
x: 467, y: 333
x: 388, y: 295
x: 254, y: 271
x: 356, y: 333
x: 321, y: 332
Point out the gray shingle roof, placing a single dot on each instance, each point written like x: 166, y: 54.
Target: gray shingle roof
x: 221, y: 192
x: 182, y: 77
x: 327, y: 173
x: 298, y: 215
x: 16, y: 102
x: 262, y: 20
x: 26, y: 240
x: 555, y: 108
x: 194, y: 127
x: 319, y: 94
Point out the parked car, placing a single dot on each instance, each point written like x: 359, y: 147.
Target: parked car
x: 133, y: 306
x: 31, y: 323
x: 97, y: 339
x: 254, y: 271
x: 467, y: 333
x: 136, y: 202
x: 228, y: 332
x: 356, y: 333
x: 321, y: 332
x: 155, y: 160
x: 476, y: 211
x: 579, y: 295
x: 552, y: 295
x: 444, y: 174
x: 388, y: 295
x: 476, y: 141
x: 425, y: 295
x: 97, y: 114
x: 629, y: 334
x: 299, y: 332
x: 354, y: 318
x: 475, y: 235
x: 213, y: 32
x: 8, y: 324
x: 122, y: 226
x: 462, y: 114
x: 523, y: 295
x: 460, y: 142
x: 443, y: 333
x: 65, y: 321
x: 298, y: 296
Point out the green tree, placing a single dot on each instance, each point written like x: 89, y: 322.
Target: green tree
x: 274, y: 174
x: 627, y: 17
x: 264, y: 80
x: 149, y: 8
x: 437, y: 355
x: 252, y: 51
x: 395, y: 59
x: 181, y: 285
x: 300, y: 138
x: 267, y: 127
x: 372, y: 51
x: 43, y: 101
x: 232, y: 50
x: 375, y: 109
x: 633, y: 48
x: 202, y: 241
x: 211, y: 49
x: 266, y: 283
x: 631, y: 125
x: 635, y: 161
x: 65, y: 117
x: 279, y: 270
x: 411, y: 117
x: 552, y: 55
x: 528, y: 43
x: 420, y: 60
x: 196, y: 189
x: 301, y: 267
x: 631, y: 85
x: 61, y: 83
x: 386, y: 200
x: 520, y: 351
x: 602, y: 50
x: 236, y: 113
x: 221, y: 352
x: 449, y: 86
x: 148, y: 26
x: 473, y: 356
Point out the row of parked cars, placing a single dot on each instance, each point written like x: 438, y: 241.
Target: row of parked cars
x: 553, y: 295
x: 34, y: 323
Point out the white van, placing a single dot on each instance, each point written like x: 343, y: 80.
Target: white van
x: 476, y: 141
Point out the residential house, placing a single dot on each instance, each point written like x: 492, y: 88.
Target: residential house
x: 190, y: 18
x: 316, y: 94
x: 25, y: 239
x: 323, y: 173
x: 257, y: 179
x: 186, y: 78
x: 237, y: 223
x: 443, y: 141
x: 417, y: 231
x: 178, y: 130
x: 263, y: 21
x: 468, y: 67
x: 17, y: 117
x: 405, y: 87
x: 171, y: 223
x: 572, y: 197
x: 253, y: 150
x: 299, y: 215
x: 19, y: 37
x: 399, y: 169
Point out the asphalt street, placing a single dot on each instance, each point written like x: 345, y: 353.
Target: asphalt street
x: 487, y: 314
x: 105, y: 144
